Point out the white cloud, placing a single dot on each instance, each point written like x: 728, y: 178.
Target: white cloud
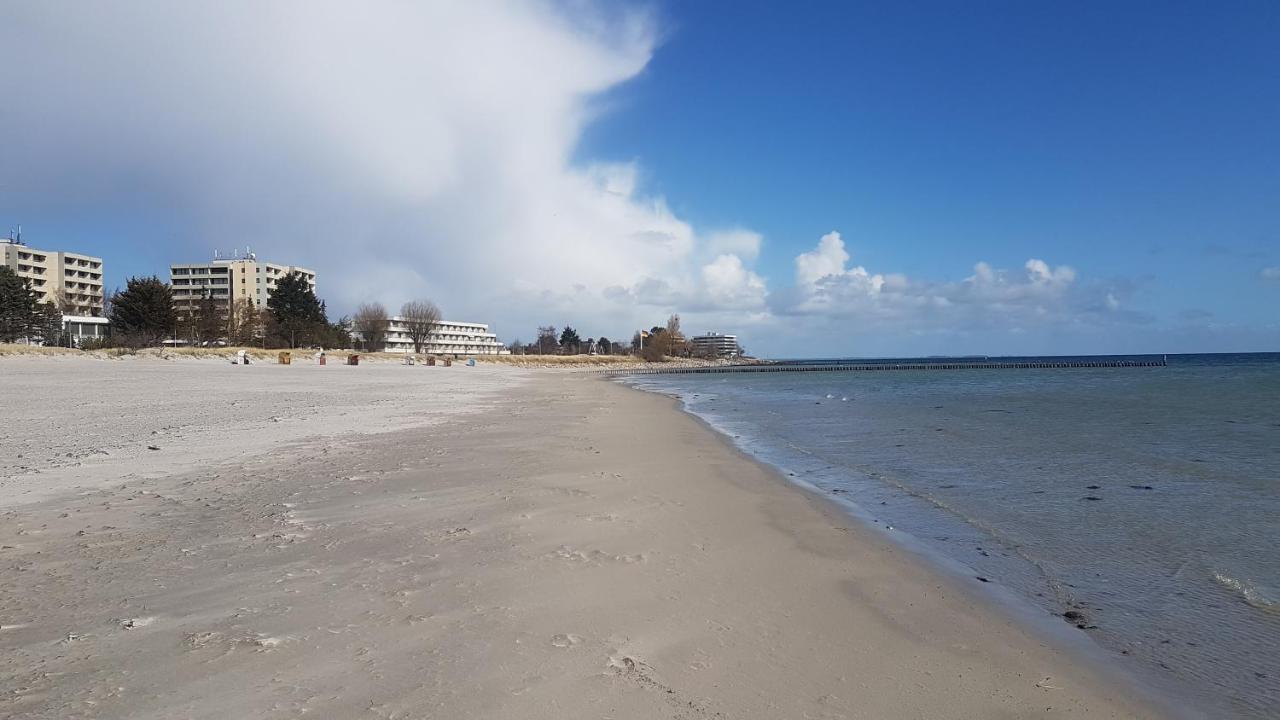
x: 401, y: 149
x: 728, y: 284
x: 743, y: 243
x: 826, y: 260
x: 1271, y: 273
x: 1041, y: 295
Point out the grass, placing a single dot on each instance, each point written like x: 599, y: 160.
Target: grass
x: 10, y: 349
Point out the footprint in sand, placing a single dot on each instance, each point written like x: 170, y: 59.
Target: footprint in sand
x: 563, y: 640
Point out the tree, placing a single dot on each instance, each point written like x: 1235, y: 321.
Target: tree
x: 677, y: 345
x: 516, y: 346
x: 656, y: 345
x: 209, y: 322
x: 298, y: 313
x: 17, y: 305
x: 66, y: 304
x: 604, y: 346
x: 244, y: 323
x: 143, y: 314
x: 547, y: 339
x: 338, y: 334
x: 420, y: 318
x: 47, y: 324
x: 569, y: 340
x: 371, y: 322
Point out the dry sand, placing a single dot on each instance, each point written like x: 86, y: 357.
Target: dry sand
x: 520, y: 545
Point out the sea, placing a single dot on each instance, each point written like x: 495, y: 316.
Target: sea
x: 1141, y: 503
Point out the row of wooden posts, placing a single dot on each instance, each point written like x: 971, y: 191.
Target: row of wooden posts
x: 876, y: 367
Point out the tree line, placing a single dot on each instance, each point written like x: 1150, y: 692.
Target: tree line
x: 655, y: 344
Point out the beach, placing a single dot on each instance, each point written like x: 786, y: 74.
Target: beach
x: 194, y: 539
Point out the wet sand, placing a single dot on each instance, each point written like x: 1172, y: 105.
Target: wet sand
x: 404, y: 542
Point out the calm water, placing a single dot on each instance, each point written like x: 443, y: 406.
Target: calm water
x: 1147, y: 499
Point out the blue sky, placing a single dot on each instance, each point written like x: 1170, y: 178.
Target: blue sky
x: 1126, y: 140
x: 1132, y: 148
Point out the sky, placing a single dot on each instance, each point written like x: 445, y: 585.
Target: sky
x: 822, y: 179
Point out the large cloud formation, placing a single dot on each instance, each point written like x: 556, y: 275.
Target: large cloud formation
x: 402, y: 149
x: 410, y: 149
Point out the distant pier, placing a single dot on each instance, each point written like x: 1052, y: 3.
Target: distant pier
x: 921, y: 365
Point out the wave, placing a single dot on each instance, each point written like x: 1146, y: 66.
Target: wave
x: 1263, y: 598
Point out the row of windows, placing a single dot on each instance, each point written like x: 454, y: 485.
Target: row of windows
x: 200, y: 281
x: 82, y: 263
x: 199, y: 291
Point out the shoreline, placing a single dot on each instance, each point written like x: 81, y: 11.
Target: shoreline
x: 576, y: 548
x: 1048, y: 626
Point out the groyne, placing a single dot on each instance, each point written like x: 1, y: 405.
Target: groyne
x: 890, y: 366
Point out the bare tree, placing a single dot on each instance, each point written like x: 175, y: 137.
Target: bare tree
x: 371, y: 321
x: 547, y: 341
x: 420, y: 320
x: 677, y: 345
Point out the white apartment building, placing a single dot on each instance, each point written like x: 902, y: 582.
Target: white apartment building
x: 229, y: 280
x: 446, y: 338
x: 70, y: 281
x: 715, y: 345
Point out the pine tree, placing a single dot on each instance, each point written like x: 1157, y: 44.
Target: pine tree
x: 48, y: 324
x: 210, y: 322
x: 299, y: 315
x: 143, y: 313
x: 17, y: 306
x: 569, y: 340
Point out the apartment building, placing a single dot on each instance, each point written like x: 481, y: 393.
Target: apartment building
x: 70, y: 281
x: 229, y: 280
x: 715, y: 345
x: 446, y: 338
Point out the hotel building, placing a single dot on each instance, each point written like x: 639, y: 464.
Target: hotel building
x: 70, y: 281
x: 446, y: 338
x: 229, y: 281
x: 715, y: 345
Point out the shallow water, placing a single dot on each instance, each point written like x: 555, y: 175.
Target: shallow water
x: 1147, y: 499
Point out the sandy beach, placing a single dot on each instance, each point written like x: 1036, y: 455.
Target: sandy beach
x: 197, y: 540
